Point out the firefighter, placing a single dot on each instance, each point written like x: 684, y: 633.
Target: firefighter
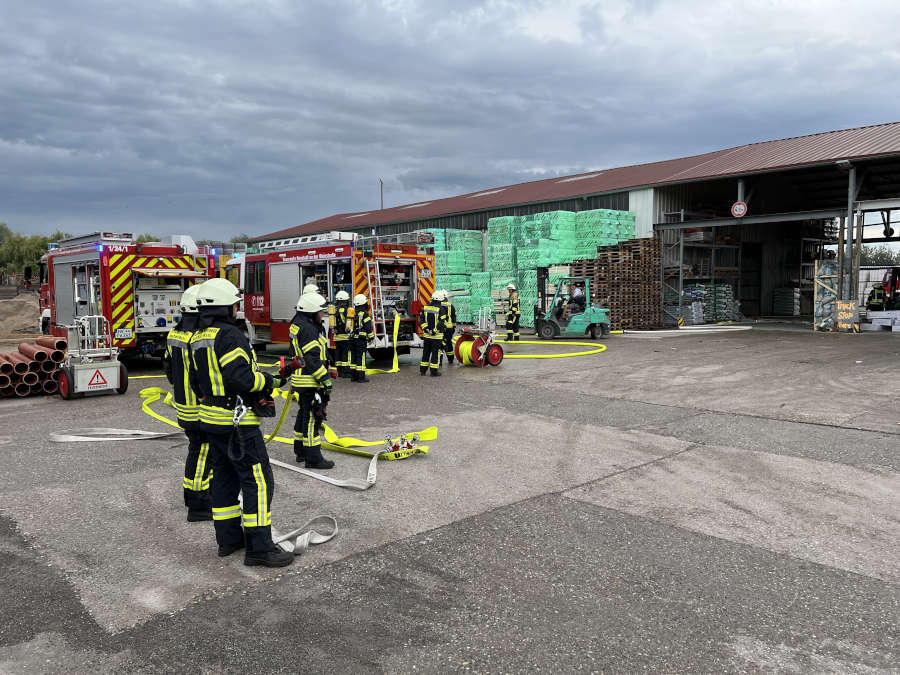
x: 311, y: 287
x: 360, y: 335
x: 433, y: 319
x: 312, y: 381
x: 449, y: 325
x: 233, y: 393
x: 177, y: 367
x: 513, y: 314
x: 877, y: 298
x: 341, y: 334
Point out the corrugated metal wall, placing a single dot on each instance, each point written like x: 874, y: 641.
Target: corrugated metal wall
x: 642, y: 204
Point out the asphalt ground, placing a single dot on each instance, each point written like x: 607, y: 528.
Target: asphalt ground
x: 701, y: 503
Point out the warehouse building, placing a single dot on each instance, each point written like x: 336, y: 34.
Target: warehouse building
x: 752, y: 219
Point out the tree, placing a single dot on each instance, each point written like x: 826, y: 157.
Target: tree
x: 144, y: 238
x: 880, y: 255
x: 242, y: 238
x: 18, y: 251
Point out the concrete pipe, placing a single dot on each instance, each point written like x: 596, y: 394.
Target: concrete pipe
x: 6, y: 366
x: 22, y: 389
x: 29, y: 378
x: 49, y: 366
x: 6, y: 392
x: 21, y: 358
x: 4, y: 381
x: 50, y: 386
x: 53, y: 343
x: 34, y: 352
x: 14, y: 365
x: 55, y: 375
x: 37, y: 389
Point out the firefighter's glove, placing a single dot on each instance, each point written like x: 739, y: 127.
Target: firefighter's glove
x: 269, y: 386
x: 326, y: 386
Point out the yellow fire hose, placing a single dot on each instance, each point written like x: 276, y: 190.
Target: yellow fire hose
x: 596, y: 349
x: 332, y: 440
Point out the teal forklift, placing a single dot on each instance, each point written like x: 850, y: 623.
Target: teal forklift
x: 568, y: 312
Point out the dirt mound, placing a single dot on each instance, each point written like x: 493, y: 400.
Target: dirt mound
x: 20, y: 315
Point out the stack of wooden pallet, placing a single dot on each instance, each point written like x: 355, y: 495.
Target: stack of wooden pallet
x: 626, y: 279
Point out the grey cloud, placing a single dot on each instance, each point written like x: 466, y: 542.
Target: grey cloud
x: 222, y: 117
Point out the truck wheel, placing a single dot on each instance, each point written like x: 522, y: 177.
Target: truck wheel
x: 65, y: 384
x: 123, y: 379
x: 599, y: 331
x: 546, y: 331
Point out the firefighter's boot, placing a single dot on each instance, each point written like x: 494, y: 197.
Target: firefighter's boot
x: 277, y: 558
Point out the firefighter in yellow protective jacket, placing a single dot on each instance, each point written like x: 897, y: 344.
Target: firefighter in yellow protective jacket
x: 513, y: 314
x: 311, y: 380
x: 433, y: 318
x: 360, y: 335
x: 341, y: 334
x: 178, y: 371
x: 449, y: 326
x: 233, y: 394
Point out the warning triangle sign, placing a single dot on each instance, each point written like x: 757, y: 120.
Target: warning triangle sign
x: 97, y: 379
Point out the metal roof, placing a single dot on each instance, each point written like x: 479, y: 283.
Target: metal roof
x: 857, y: 143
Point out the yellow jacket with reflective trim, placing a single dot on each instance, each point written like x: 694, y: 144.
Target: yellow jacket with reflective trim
x: 362, y: 325
x: 514, y: 303
x: 450, y: 310
x: 433, y: 319
x: 224, y: 366
x: 308, y: 343
x: 340, y: 323
x: 178, y: 369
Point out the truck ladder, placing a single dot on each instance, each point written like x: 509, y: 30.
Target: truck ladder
x: 376, y: 299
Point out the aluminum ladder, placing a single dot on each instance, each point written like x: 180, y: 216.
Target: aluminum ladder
x: 376, y: 300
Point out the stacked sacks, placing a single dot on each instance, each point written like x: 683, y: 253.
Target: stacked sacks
x: 463, y: 306
x: 528, y: 296
x: 469, y: 244
x: 449, y: 262
x: 480, y: 289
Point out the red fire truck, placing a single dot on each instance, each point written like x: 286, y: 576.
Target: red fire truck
x: 136, y: 286
x: 395, y: 272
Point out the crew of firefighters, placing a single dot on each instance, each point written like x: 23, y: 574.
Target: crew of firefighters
x: 220, y: 394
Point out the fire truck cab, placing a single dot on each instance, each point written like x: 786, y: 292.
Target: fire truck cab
x: 136, y: 286
x: 396, y: 276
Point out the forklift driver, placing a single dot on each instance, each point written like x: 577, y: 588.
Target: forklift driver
x: 578, y: 302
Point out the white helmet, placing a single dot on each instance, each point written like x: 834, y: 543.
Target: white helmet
x: 359, y: 300
x: 217, y: 292
x: 342, y: 295
x: 439, y: 295
x: 189, y: 299
x: 310, y: 303
x: 311, y: 288
x: 511, y: 287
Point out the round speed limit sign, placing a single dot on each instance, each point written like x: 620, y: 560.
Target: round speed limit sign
x: 739, y: 209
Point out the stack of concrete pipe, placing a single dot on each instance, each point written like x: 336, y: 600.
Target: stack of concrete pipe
x: 33, y: 369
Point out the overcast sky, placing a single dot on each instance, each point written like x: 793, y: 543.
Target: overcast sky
x: 216, y: 117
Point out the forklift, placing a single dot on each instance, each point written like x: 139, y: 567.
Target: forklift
x: 562, y: 315
x: 891, y: 291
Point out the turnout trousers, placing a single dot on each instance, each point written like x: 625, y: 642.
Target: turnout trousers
x: 431, y: 354
x: 307, y: 431
x: 342, y: 355
x: 512, y: 327
x: 250, y: 476
x: 196, y: 468
x: 448, y: 344
x: 358, y: 358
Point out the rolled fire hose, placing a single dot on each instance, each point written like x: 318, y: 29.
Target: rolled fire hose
x: 597, y: 349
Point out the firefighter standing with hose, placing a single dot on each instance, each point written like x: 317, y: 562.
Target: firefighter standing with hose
x: 177, y: 364
x: 433, y: 319
x: 360, y: 335
x: 310, y: 379
x: 341, y: 334
x: 513, y: 314
x: 233, y: 394
x: 449, y: 326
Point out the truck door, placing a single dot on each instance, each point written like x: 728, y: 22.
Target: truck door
x: 284, y: 289
x: 86, y: 289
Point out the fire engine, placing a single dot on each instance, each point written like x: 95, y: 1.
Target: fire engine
x: 136, y: 286
x: 395, y: 272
